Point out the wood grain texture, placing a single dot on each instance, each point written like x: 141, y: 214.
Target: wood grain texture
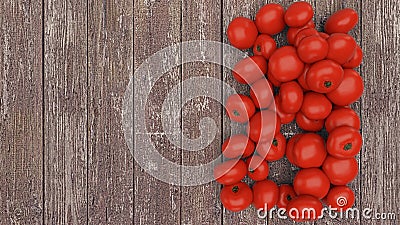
x: 21, y: 133
x: 110, y: 66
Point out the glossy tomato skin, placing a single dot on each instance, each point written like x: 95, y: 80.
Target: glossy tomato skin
x: 309, y: 151
x: 250, y: 69
x: 302, y: 78
x: 342, y: 117
x: 298, y: 14
x: 284, y: 117
x: 274, y: 81
x: 293, y: 31
x: 341, y: 21
x: 308, y: 32
x: 264, y: 45
x: 285, y: 65
x: 261, y: 93
x: 356, y: 60
x: 230, y: 172
x: 297, y: 209
x: 286, y: 194
x: 324, y: 76
x: 240, y: 108
x: 311, y: 181
x: 342, y: 48
x: 266, y: 194
x: 316, y: 106
x: 323, y: 35
x: 340, y: 171
x: 291, y: 97
x: 340, y: 198
x: 344, y: 142
x: 257, y: 168
x: 349, y: 90
x: 236, y: 197
x: 290, y: 147
x: 263, y: 126
x: 307, y: 124
x: 269, y: 19
x: 312, y: 49
x: 277, y: 149
x: 242, y: 33
x: 238, y: 145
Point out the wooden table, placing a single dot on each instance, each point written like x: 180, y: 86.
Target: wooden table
x: 64, y: 69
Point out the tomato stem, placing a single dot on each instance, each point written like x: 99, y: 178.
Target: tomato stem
x: 275, y: 142
x: 251, y: 170
x: 327, y: 84
x: 347, y: 146
x: 289, y: 198
x: 258, y: 48
x: 236, y: 113
x: 235, y: 189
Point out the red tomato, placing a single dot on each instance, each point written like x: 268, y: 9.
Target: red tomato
x: 356, y: 60
x: 312, y: 49
x: 276, y: 150
x: 340, y: 171
x: 309, y: 151
x: 236, y: 197
x: 349, y: 91
x: 257, y: 168
x: 298, y: 14
x: 230, y: 172
x: 324, y: 76
x: 344, y: 142
x: 284, y: 117
x: 342, y: 48
x: 311, y: 181
x: 265, y: 194
x: 291, y: 97
x: 341, y: 21
x: 340, y: 198
x: 307, y: 124
x: 323, y: 35
x: 250, y: 69
x: 240, y: 108
x: 304, y: 208
x: 290, y: 147
x: 308, y: 32
x: 342, y: 117
x: 238, y: 145
x: 269, y: 19
x: 302, y: 78
x: 261, y: 93
x: 265, y: 45
x: 293, y: 31
x: 316, y: 106
x: 286, y: 194
x: 242, y: 33
x: 263, y: 126
x: 273, y: 80
x: 285, y: 65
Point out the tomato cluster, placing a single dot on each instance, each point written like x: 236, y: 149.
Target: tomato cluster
x: 312, y: 82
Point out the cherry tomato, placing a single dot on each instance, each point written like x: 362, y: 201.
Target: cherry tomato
x: 291, y: 97
x: 265, y: 45
x: 311, y: 181
x: 284, y: 117
x: 261, y: 93
x: 263, y: 126
x: 344, y: 142
x: 341, y: 21
x: 340, y: 171
x: 304, y: 208
x: 312, y: 49
x: 240, y: 108
x: 356, y: 60
x: 323, y: 35
x: 286, y: 194
x: 302, y: 78
x: 349, y: 91
x: 250, y: 69
x: 230, y: 172
x: 340, y: 198
x: 242, y: 33
x: 307, y: 124
x: 265, y: 194
x: 273, y: 80
x: 342, y: 117
x: 316, y: 106
x: 238, y: 145
x: 236, y: 197
x: 269, y: 19
x: 342, y: 48
x: 276, y: 150
x: 308, y: 32
x: 290, y: 147
x: 298, y: 14
x: 285, y: 65
x: 324, y: 76
x: 293, y: 31
x: 309, y: 151
x: 257, y: 168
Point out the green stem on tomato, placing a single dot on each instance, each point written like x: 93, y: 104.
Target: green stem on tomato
x: 347, y: 146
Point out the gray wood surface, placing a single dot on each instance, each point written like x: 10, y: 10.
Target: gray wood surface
x: 64, y: 68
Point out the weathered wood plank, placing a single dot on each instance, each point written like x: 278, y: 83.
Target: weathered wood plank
x: 21, y: 135
x: 110, y: 66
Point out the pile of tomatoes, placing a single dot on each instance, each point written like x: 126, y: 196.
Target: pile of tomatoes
x: 311, y: 81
